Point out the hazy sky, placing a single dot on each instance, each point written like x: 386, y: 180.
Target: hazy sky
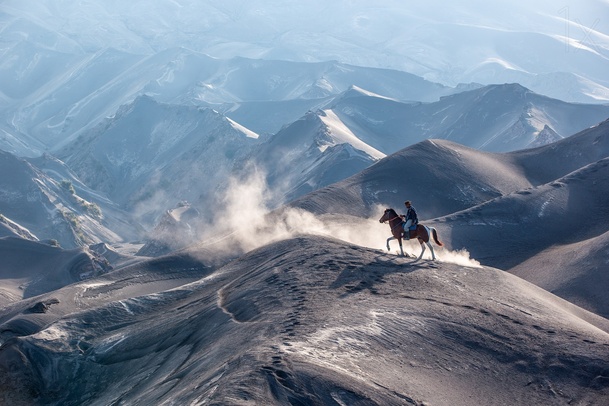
x: 441, y: 40
x: 164, y: 23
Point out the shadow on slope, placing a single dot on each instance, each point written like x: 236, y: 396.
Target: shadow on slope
x: 550, y: 162
x: 576, y: 272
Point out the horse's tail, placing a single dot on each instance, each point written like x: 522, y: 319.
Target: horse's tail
x: 435, y: 236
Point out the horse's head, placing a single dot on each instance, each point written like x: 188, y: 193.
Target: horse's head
x: 389, y: 214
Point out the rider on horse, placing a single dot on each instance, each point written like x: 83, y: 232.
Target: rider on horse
x: 399, y: 225
x: 410, y: 219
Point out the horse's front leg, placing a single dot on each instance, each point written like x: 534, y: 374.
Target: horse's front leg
x: 399, y: 241
x: 389, y: 239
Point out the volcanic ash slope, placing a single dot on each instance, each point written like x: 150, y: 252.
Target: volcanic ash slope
x: 315, y: 321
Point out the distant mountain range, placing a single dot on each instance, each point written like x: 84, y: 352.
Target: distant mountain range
x: 496, y: 118
x: 45, y: 110
x: 559, y: 51
x: 149, y: 156
x: 48, y: 110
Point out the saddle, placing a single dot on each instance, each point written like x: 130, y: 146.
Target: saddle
x: 412, y: 231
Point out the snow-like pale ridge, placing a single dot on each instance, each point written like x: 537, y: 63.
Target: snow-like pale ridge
x: 342, y: 134
x: 248, y: 133
x: 371, y: 94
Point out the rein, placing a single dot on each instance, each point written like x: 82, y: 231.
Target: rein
x: 395, y: 225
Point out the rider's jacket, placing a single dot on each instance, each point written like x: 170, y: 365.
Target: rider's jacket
x: 411, y: 214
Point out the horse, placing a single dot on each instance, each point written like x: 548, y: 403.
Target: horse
x: 421, y: 233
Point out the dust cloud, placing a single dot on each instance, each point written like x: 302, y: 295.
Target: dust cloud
x: 245, y: 221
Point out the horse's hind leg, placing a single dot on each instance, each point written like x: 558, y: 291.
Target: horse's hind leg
x: 422, y: 251
x: 433, y: 254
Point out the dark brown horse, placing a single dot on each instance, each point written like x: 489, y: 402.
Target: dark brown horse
x: 421, y: 233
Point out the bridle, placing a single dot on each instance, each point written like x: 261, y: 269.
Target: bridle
x: 396, y: 225
x: 391, y: 219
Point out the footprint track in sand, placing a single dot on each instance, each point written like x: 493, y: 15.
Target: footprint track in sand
x: 297, y: 297
x: 280, y: 377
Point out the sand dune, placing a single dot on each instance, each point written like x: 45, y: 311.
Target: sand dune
x: 308, y: 321
x: 553, y: 235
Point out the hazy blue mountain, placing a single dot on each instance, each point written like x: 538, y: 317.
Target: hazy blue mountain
x: 312, y: 153
x: 59, y: 78
x: 47, y: 112
x: 496, y: 118
x: 559, y: 51
x: 57, y: 207
x: 150, y: 156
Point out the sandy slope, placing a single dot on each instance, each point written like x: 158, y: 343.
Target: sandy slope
x: 440, y: 176
x: 552, y: 161
x: 576, y: 272
x: 553, y: 235
x: 308, y: 321
x: 29, y: 268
